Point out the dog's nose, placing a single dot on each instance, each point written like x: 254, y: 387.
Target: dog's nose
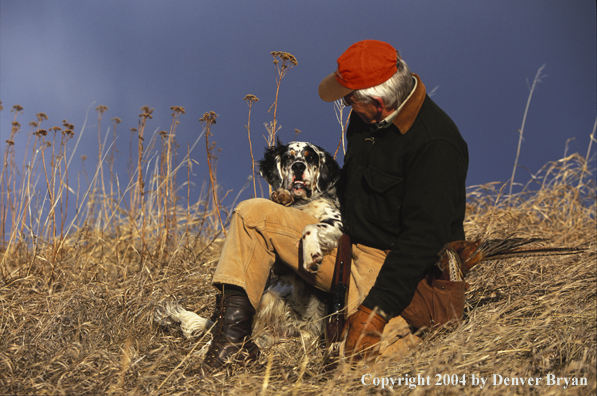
x: 298, y: 167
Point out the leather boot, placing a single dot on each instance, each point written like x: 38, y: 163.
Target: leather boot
x: 231, y: 333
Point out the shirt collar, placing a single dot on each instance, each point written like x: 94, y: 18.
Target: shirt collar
x: 408, y: 111
x: 386, y: 122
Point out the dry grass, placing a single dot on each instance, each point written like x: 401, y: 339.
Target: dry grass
x: 77, y: 298
x: 89, y: 330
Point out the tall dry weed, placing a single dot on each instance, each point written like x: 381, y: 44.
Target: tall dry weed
x: 283, y: 62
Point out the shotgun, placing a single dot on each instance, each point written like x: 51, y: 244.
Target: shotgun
x: 339, y: 289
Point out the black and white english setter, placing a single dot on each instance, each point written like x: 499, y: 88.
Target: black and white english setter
x: 303, y: 176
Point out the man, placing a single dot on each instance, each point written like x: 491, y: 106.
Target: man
x: 403, y: 185
x: 402, y: 194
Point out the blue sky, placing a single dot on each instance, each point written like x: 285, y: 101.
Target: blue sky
x: 478, y: 56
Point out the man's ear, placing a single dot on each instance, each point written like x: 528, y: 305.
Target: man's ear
x: 378, y: 104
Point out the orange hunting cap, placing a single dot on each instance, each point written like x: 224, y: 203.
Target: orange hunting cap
x: 363, y: 65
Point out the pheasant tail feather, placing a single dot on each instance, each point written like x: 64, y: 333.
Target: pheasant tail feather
x: 467, y: 254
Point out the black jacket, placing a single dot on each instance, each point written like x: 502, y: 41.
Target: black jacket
x: 403, y: 189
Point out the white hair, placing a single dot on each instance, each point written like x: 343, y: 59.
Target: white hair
x: 393, y: 92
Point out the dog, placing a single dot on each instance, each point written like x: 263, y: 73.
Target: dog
x: 303, y: 176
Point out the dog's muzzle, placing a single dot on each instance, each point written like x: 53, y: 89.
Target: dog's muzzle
x: 298, y: 187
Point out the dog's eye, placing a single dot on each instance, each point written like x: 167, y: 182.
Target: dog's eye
x: 310, y: 156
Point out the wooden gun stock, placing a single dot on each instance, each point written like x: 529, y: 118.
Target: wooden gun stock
x: 339, y: 289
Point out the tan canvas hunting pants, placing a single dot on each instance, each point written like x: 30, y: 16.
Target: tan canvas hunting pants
x: 262, y: 232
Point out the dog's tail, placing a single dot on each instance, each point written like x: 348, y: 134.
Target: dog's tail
x: 191, y: 324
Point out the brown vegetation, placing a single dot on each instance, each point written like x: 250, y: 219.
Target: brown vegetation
x: 78, y: 298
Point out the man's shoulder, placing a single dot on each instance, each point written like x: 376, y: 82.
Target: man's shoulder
x: 431, y: 115
x: 432, y: 125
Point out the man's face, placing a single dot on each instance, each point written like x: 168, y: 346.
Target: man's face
x: 368, y: 112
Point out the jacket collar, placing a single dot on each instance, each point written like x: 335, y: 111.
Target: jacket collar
x: 408, y: 111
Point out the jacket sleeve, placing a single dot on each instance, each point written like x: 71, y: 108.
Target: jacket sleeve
x: 434, y: 193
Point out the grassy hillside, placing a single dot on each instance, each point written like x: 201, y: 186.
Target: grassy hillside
x: 78, y: 293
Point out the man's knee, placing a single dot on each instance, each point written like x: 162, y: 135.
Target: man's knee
x: 259, y: 212
x: 254, y: 207
x: 253, y: 204
x: 256, y: 211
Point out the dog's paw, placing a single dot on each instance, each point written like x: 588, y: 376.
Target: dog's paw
x: 282, y: 196
x: 312, y: 254
x: 312, y: 262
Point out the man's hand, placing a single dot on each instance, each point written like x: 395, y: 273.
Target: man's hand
x: 363, y: 331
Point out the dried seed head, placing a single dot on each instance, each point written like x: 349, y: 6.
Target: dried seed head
x: 33, y: 124
x: 147, y: 109
x: 209, y: 118
x: 116, y: 120
x: 250, y: 99
x: 17, y: 108
x: 10, y: 142
x: 146, y: 112
x: 101, y: 109
x: 177, y: 109
x: 41, y: 117
x: 285, y: 57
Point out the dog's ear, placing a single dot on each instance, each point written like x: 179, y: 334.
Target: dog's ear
x: 329, y: 172
x: 270, y: 165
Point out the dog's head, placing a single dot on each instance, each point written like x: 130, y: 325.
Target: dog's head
x: 299, y: 167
